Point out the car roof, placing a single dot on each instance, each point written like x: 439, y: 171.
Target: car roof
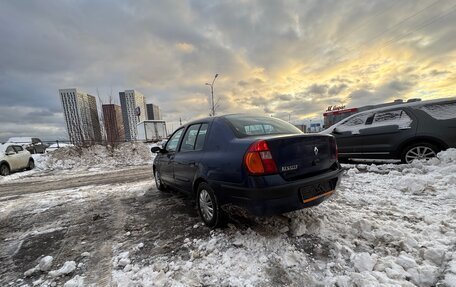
x: 407, y: 105
x: 393, y: 107
x: 208, y: 119
x: 21, y: 140
x: 404, y: 105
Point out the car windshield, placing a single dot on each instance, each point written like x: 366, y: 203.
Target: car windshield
x: 245, y: 125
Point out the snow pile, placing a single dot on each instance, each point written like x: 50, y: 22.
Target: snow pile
x: 67, y: 268
x: 225, y: 259
x: 388, y: 225
x: 97, y: 156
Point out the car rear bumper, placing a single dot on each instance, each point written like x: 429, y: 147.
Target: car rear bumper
x: 283, y: 196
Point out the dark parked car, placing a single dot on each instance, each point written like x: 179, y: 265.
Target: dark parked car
x: 33, y: 145
x: 262, y: 163
x: 416, y: 130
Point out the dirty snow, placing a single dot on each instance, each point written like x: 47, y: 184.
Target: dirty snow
x: 70, y: 159
x: 389, y: 225
x: 67, y: 268
x: 97, y: 156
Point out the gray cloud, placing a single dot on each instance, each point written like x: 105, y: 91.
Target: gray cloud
x: 337, y: 89
x: 169, y: 49
x: 317, y: 89
x: 389, y: 91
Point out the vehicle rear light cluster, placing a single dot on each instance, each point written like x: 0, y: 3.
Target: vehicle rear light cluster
x: 258, y: 159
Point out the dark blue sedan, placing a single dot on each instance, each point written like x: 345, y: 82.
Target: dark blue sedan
x: 261, y: 163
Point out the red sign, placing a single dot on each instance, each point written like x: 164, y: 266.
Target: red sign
x: 339, y: 112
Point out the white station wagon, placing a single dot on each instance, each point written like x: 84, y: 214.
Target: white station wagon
x: 14, y: 158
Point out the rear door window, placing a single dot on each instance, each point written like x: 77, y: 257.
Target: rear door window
x: 441, y: 111
x: 397, y: 117
x: 188, y: 143
x: 201, y: 137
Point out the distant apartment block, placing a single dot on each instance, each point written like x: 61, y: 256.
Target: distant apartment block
x: 130, y: 100
x: 81, y: 116
x: 113, y: 122
x: 153, y: 112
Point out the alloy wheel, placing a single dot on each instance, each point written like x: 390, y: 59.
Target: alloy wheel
x: 206, y: 205
x: 419, y: 152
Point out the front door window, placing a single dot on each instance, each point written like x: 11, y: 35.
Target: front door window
x: 171, y: 146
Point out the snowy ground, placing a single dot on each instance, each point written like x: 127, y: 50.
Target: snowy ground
x: 388, y: 225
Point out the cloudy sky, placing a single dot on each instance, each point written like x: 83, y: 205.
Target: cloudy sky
x: 281, y: 58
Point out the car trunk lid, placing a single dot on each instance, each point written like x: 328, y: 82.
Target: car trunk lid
x: 299, y: 156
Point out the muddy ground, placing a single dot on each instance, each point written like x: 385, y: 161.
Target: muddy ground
x: 68, y: 214
x: 98, y: 215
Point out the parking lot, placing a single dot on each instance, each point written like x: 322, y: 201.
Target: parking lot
x: 387, y: 225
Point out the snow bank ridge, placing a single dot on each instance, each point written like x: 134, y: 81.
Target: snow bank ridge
x: 97, y: 156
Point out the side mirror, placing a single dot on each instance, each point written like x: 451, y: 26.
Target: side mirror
x: 156, y: 149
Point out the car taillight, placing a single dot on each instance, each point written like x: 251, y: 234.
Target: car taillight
x: 258, y: 159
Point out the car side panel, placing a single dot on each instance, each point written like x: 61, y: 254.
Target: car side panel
x: 25, y: 158
x: 166, y: 168
x: 385, y: 140
x: 348, y: 142
x: 15, y: 161
x: 185, y: 168
x: 441, y: 130
x: 223, y: 157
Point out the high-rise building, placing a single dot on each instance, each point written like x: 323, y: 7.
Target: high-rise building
x: 132, y: 102
x: 81, y: 116
x: 113, y: 122
x: 153, y: 112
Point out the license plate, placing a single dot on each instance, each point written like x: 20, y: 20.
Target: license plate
x: 312, y: 192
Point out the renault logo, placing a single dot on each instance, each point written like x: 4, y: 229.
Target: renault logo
x: 315, y: 150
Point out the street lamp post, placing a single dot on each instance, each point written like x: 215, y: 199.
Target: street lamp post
x: 212, y: 95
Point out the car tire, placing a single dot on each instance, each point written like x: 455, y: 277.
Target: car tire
x: 422, y: 150
x: 4, y: 170
x: 31, y: 164
x: 208, y: 206
x: 158, y: 182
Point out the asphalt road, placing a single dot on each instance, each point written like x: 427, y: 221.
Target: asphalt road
x: 41, y: 183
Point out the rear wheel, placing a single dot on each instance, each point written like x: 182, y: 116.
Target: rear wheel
x: 419, y: 151
x: 4, y: 170
x: 31, y: 165
x: 158, y: 181
x: 208, y: 206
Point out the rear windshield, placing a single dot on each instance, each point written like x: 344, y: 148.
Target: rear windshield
x: 244, y: 126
